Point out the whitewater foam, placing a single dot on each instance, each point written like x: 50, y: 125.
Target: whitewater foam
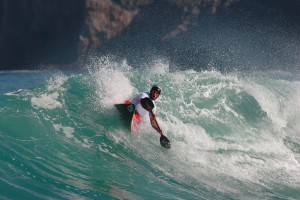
x: 46, y: 101
x: 224, y: 141
x: 110, y: 82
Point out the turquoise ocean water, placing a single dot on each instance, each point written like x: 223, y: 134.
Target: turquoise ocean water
x: 233, y: 136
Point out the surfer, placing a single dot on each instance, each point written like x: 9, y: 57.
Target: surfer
x: 139, y: 106
x: 141, y: 111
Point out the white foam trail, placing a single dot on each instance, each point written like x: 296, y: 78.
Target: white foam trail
x: 68, y: 131
x: 49, y: 100
x: 46, y: 101
x: 13, y: 93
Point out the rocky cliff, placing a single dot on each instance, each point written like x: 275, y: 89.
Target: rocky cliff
x: 55, y: 32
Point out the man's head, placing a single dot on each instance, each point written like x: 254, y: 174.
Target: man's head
x: 155, y: 92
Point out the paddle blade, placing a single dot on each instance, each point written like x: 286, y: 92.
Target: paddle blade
x: 147, y: 104
x: 165, y: 142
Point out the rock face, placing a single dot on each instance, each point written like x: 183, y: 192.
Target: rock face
x: 54, y: 32
x: 106, y: 19
x: 33, y: 31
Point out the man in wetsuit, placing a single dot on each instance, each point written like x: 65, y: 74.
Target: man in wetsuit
x: 153, y: 95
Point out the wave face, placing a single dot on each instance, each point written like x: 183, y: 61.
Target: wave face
x: 233, y: 136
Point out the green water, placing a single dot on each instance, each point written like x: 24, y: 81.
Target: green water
x: 233, y: 136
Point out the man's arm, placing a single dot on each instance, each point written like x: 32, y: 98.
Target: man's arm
x: 153, y: 122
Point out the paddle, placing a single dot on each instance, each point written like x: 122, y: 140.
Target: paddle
x: 148, y: 105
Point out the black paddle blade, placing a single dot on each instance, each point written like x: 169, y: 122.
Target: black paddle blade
x: 165, y: 142
x: 147, y: 104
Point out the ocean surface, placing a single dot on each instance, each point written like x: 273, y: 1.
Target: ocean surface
x: 233, y: 135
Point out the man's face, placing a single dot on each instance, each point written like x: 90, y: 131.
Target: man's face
x: 154, y: 94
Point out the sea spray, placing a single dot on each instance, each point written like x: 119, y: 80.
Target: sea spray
x: 233, y: 136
